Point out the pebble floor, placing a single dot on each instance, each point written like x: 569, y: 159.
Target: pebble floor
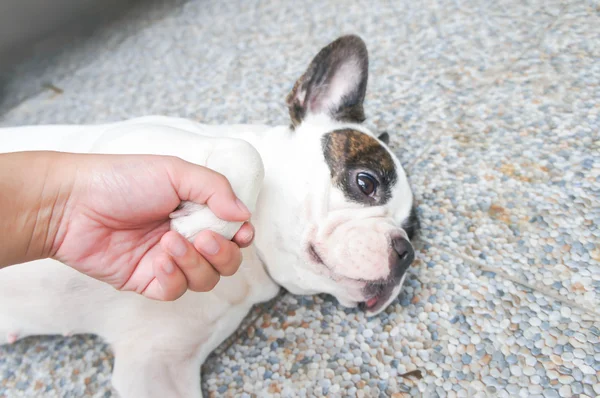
x: 493, y: 108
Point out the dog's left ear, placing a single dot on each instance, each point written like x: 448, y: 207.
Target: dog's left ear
x: 334, y: 83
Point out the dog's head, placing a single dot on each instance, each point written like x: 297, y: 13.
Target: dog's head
x: 345, y: 213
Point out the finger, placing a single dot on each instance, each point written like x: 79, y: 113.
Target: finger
x: 224, y: 255
x: 199, y: 273
x: 245, y: 236
x: 202, y: 185
x: 169, y: 283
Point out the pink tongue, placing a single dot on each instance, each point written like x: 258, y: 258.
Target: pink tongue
x: 371, y: 302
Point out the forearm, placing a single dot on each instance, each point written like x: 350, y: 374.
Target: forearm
x: 33, y: 193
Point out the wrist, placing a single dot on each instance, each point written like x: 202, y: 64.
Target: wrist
x: 36, y: 187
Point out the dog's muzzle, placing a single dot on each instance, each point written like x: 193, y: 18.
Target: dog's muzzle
x: 378, y: 293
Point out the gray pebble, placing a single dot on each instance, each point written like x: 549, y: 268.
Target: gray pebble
x: 511, y: 359
x: 550, y: 393
x: 577, y: 388
x: 512, y: 389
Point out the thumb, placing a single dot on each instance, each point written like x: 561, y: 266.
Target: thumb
x: 202, y: 185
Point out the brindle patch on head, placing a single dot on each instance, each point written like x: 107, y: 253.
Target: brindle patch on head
x: 348, y: 152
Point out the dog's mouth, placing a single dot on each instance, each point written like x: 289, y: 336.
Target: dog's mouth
x: 380, y: 293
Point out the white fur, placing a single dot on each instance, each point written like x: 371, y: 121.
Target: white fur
x: 159, y: 346
x: 281, y: 175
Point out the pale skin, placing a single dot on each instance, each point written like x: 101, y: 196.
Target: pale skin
x: 107, y: 216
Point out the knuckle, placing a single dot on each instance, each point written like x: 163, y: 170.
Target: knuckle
x: 192, y: 260
x: 230, y: 269
x: 173, y: 290
x: 213, y: 282
x: 205, y: 282
x: 221, y: 180
x: 233, y: 263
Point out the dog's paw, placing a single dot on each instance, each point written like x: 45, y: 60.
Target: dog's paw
x: 191, y: 218
x: 242, y: 165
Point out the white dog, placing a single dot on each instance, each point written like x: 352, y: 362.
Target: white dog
x: 332, y: 207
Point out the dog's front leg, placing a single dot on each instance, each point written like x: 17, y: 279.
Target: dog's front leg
x: 142, y: 371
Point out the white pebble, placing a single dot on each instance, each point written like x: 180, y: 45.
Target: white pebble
x: 588, y: 370
x: 447, y: 386
x: 579, y: 353
x: 477, y: 385
x: 552, y: 374
x: 516, y: 370
x: 567, y: 356
x: 580, y: 337
x: 535, y: 389
x: 535, y: 321
x: 566, y: 379
x: 451, y: 349
x: 565, y: 391
x: 551, y: 341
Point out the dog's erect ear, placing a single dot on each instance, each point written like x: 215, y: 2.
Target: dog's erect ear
x: 334, y: 83
x: 385, y: 137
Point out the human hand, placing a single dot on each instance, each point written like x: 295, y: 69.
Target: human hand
x: 114, y: 224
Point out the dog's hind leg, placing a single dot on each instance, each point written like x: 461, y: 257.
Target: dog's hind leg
x: 144, y: 371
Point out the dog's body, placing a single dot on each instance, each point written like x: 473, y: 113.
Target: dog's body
x: 334, y: 215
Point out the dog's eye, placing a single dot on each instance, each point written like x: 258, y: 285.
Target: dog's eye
x: 366, y: 183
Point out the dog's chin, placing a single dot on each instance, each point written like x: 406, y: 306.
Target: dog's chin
x: 384, y: 296
x: 378, y: 302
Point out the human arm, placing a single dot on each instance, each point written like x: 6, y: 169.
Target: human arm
x: 107, y: 216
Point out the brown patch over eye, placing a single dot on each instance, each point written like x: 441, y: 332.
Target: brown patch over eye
x: 353, y: 157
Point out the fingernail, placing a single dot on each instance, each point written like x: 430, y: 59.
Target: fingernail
x: 168, y: 267
x: 208, y: 244
x: 242, y: 206
x: 178, y: 248
x: 247, y: 235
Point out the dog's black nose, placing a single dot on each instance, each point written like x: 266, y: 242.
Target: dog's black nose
x: 404, y: 258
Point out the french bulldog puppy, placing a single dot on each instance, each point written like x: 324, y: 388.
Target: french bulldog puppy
x: 332, y: 207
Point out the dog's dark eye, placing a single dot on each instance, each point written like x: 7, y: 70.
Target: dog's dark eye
x: 366, y: 183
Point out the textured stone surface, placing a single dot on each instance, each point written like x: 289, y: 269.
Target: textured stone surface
x: 492, y: 106
x: 464, y: 329
x: 526, y: 161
